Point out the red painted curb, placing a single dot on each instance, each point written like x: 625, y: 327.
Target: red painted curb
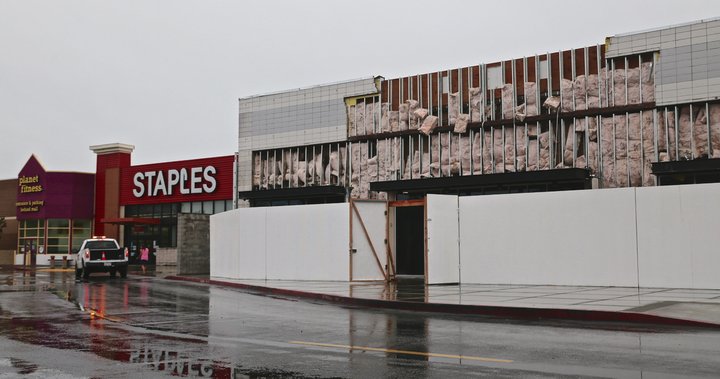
x: 525, y: 313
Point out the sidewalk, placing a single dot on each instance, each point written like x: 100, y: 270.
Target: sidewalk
x: 690, y: 307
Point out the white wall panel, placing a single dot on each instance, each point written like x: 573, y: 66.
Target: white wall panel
x: 365, y: 266
x: 557, y: 238
x: 443, y: 254
x: 308, y: 242
x: 679, y: 236
x: 238, y: 244
x: 304, y: 242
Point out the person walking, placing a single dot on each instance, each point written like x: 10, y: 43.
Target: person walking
x: 144, y: 258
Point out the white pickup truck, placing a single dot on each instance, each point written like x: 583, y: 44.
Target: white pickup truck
x: 100, y: 254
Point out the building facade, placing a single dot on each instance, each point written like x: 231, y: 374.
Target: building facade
x: 8, y: 221
x: 53, y: 213
x: 639, y: 110
x: 140, y: 205
x: 290, y: 141
x: 48, y: 214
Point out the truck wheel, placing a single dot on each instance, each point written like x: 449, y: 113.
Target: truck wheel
x: 78, y: 273
x: 112, y: 273
x: 123, y: 272
x: 85, y: 273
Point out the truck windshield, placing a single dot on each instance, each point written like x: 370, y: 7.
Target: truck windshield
x: 99, y: 245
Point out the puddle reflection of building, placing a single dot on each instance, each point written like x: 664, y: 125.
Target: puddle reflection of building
x: 394, y: 333
x: 103, y: 342
x: 28, y: 277
x: 143, y: 289
x: 408, y: 332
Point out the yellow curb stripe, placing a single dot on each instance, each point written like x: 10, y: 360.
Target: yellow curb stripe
x: 406, y: 352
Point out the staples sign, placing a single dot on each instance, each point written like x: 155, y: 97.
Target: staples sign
x: 195, y: 180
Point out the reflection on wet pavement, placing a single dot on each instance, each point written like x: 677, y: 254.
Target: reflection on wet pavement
x: 23, y: 367
x: 149, y: 327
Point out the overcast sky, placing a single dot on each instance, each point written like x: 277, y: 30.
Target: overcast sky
x: 165, y: 75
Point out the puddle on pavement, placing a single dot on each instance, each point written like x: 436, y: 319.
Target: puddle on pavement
x: 23, y: 367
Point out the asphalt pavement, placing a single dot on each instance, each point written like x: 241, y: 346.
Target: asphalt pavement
x: 146, y: 326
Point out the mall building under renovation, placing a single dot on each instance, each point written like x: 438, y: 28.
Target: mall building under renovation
x: 639, y: 111
x: 603, y: 162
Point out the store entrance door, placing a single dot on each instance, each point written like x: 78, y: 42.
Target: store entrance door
x: 410, y: 236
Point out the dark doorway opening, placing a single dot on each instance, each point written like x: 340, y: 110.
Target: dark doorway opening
x: 410, y: 240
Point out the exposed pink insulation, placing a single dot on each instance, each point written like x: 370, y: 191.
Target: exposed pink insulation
x: 476, y: 98
x: 351, y: 121
x: 360, y: 119
x: 384, y: 117
x: 461, y: 123
x: 507, y: 93
x: 567, y: 94
x: 531, y: 106
x: 428, y: 125
x: 403, y: 116
x: 370, y: 119
x: 453, y: 107
x: 413, y: 105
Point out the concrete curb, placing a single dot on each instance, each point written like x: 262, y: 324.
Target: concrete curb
x: 523, y: 313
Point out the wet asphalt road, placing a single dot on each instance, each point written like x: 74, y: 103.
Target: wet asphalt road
x: 146, y: 326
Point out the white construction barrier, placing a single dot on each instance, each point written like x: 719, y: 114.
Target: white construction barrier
x: 679, y: 236
x: 303, y: 242
x: 648, y: 237
x: 364, y: 264
x: 443, y: 255
x: 551, y: 238
x: 238, y: 244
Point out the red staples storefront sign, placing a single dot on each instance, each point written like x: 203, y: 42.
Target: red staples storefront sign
x: 164, y: 183
x: 173, y: 182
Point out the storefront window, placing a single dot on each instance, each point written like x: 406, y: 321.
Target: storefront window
x: 58, y: 236
x: 144, y: 210
x: 31, y: 235
x: 169, y: 210
x: 163, y: 235
x: 208, y: 207
x: 219, y: 206
x: 81, y: 231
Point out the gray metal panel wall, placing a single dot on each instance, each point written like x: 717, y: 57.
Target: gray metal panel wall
x: 298, y: 117
x: 688, y: 63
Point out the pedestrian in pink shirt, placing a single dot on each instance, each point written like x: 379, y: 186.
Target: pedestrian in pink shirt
x: 144, y: 257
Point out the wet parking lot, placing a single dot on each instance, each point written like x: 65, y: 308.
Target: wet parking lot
x: 145, y: 326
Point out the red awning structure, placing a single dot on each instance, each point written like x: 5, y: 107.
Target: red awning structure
x: 131, y: 221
